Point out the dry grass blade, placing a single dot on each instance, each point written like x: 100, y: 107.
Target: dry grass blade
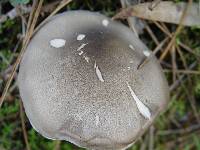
x: 23, y: 126
x: 182, y: 57
x: 187, y: 48
x: 181, y: 78
x: 163, y: 8
x: 184, y: 71
x: 154, y: 38
x: 154, y: 52
x: 133, y: 22
x: 184, y: 14
x: 28, y: 36
x: 26, y: 40
x: 59, y: 7
x: 165, y: 11
x: 174, y: 65
x: 151, y: 137
x: 30, y: 19
x: 57, y: 145
x: 144, y: 142
x: 32, y: 26
x: 189, y: 129
x: 162, y: 29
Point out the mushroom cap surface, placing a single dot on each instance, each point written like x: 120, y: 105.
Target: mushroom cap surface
x: 79, y: 82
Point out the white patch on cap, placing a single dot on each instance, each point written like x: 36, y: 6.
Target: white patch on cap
x: 57, y: 43
x: 80, y: 37
x: 146, y: 53
x: 86, y: 58
x: 129, y: 68
x: 131, y: 61
x: 144, y: 110
x: 80, y: 53
x: 97, y: 120
x: 131, y: 46
x: 98, y: 72
x: 95, y: 65
x: 105, y: 22
x: 82, y: 46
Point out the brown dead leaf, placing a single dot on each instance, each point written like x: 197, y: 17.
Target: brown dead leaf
x: 165, y: 11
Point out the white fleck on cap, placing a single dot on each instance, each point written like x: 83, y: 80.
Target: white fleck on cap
x: 57, y: 43
x: 80, y: 37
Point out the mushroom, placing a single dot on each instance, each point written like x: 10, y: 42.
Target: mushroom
x: 79, y: 82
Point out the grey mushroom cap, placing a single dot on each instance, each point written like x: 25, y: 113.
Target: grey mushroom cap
x: 79, y: 82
